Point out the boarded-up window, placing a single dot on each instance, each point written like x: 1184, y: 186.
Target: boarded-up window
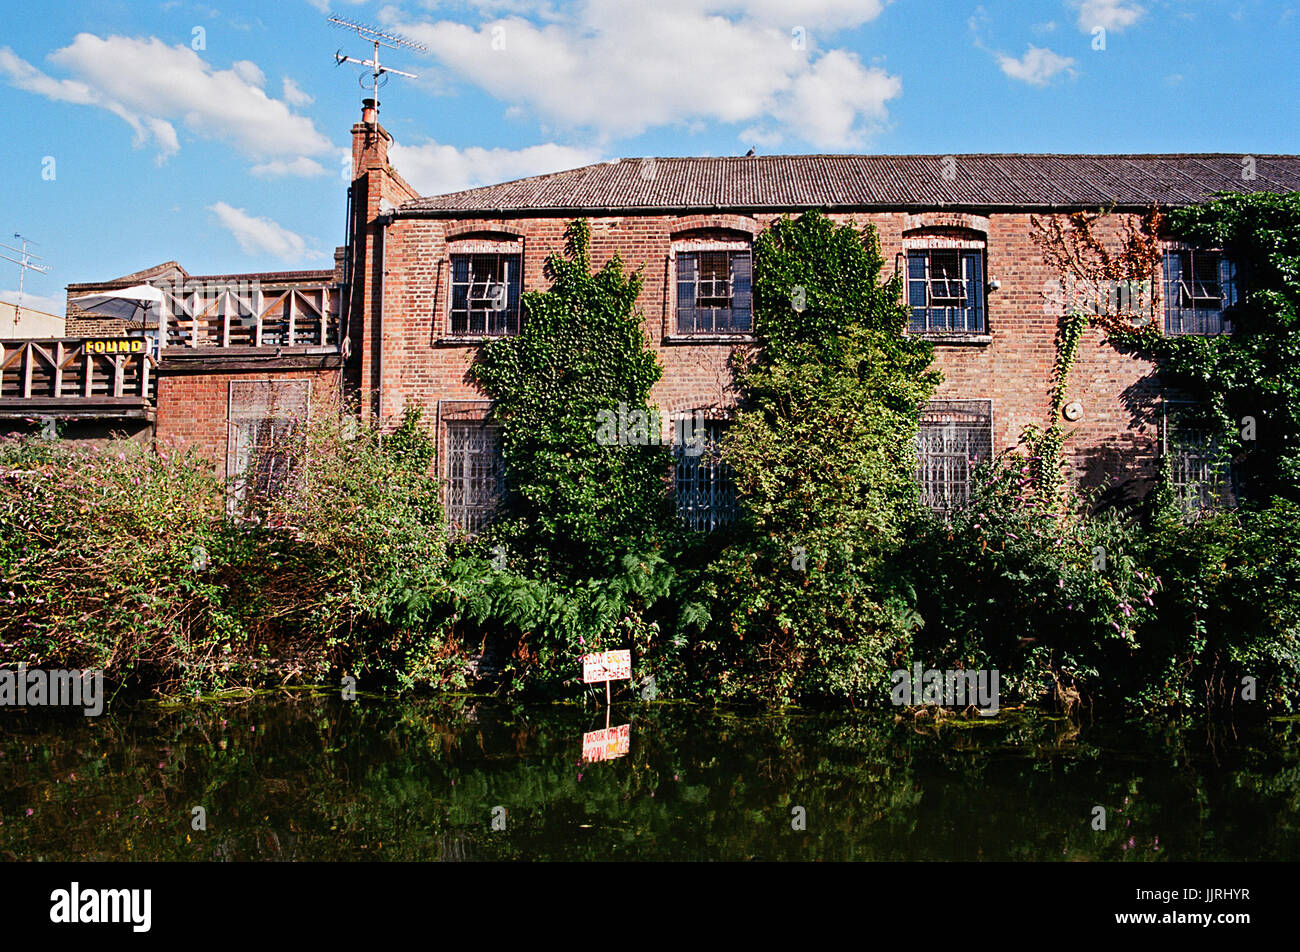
x: 265, y: 438
x: 473, y: 466
x: 704, y: 487
x: 954, y: 438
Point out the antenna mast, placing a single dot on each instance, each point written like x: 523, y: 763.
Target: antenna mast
x: 24, y: 262
x: 379, y: 38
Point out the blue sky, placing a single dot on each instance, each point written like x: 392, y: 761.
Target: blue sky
x: 215, y: 134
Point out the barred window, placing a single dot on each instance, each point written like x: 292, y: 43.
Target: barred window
x: 485, y: 294
x: 955, y: 437
x: 945, y: 290
x: 1200, y: 477
x: 1199, y: 287
x: 265, y: 439
x: 474, y: 471
x: 714, y: 292
x: 703, y: 483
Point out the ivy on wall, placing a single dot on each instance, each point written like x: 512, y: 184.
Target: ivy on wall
x: 577, y: 502
x: 802, y: 603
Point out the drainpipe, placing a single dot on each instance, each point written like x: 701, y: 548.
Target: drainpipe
x: 381, y: 224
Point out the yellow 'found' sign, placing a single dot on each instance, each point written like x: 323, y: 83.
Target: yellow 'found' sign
x: 123, y: 345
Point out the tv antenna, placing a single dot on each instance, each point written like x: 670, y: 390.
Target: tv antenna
x: 24, y: 262
x: 379, y: 38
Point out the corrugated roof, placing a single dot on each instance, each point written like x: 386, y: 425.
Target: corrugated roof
x: 786, y: 182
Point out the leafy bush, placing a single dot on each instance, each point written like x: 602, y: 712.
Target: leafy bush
x: 1052, y: 597
x: 126, y: 559
x: 801, y: 600
x: 1229, y: 608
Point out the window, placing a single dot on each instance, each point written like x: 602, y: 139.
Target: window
x: 955, y: 437
x: 1199, y: 475
x: 714, y: 292
x: 705, y: 491
x: 485, y: 294
x: 945, y: 290
x: 265, y: 438
x: 1199, y: 287
x: 475, y: 471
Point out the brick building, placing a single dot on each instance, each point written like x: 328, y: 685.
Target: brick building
x: 425, y: 281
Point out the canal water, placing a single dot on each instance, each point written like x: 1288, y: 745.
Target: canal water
x: 316, y: 778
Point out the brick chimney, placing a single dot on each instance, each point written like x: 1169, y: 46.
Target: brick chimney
x: 375, y: 184
x: 370, y: 141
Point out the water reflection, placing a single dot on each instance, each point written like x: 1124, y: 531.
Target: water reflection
x: 322, y: 779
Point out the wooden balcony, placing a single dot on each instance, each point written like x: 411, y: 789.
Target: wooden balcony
x: 206, y: 325
x: 68, y: 377
x: 249, y: 320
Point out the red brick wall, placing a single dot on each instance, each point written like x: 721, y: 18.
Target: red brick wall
x: 193, y: 408
x: 1013, y: 370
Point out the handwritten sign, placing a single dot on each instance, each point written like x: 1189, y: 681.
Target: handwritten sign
x: 608, y: 743
x: 607, y: 666
x: 125, y: 345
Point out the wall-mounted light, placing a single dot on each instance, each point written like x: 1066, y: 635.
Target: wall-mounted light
x: 994, y: 284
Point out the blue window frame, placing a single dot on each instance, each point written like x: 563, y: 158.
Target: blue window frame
x: 714, y: 292
x: 945, y: 290
x: 485, y: 294
x: 1200, y: 286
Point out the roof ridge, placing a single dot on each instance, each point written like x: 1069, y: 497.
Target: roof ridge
x: 789, y: 181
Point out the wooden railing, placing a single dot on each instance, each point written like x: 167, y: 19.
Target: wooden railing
x: 250, y: 317
x: 68, y: 372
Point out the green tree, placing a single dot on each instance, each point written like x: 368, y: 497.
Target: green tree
x: 823, y: 451
x: 577, y: 505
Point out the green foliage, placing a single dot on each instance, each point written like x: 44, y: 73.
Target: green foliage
x: 1229, y: 608
x: 1254, y: 371
x: 1051, y: 597
x: 577, y: 505
x: 802, y: 600
x: 589, y: 511
x: 125, y: 559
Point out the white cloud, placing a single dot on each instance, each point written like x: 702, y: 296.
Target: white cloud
x: 617, y: 69
x: 294, y: 94
x: 433, y: 168
x: 278, y: 168
x: 837, y: 103
x: 1111, y: 15
x: 249, y: 72
x: 1038, y: 66
x: 37, y: 302
x: 262, y: 235
x: 177, y: 87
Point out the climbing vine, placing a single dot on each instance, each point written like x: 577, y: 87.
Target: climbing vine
x: 577, y: 503
x: 1117, y: 291
x: 801, y: 604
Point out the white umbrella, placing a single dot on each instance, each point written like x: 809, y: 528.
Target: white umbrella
x: 140, y: 302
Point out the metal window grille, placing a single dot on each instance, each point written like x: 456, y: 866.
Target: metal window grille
x: 1200, y: 477
x: 485, y: 294
x: 945, y: 290
x: 714, y: 292
x: 955, y: 437
x: 703, y: 483
x: 265, y: 440
x: 1199, y: 287
x: 475, y: 474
